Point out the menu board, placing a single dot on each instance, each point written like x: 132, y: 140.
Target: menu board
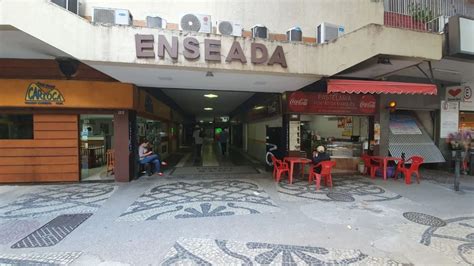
x: 295, y: 136
x: 449, y: 118
x: 404, y: 125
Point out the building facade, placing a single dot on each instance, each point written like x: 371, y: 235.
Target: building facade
x: 103, y: 66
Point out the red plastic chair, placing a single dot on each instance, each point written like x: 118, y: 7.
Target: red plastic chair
x: 326, y: 167
x: 279, y: 167
x: 415, y: 162
x: 369, y: 167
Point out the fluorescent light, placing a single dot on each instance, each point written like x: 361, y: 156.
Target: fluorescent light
x: 210, y: 122
x: 210, y: 95
x: 208, y: 108
x: 201, y: 121
x: 446, y: 71
x: 258, y: 107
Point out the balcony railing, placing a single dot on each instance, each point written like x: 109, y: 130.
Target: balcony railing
x: 424, y: 15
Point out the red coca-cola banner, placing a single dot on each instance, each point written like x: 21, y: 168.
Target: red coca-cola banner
x: 334, y: 103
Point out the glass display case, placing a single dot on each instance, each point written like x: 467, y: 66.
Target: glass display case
x: 341, y: 149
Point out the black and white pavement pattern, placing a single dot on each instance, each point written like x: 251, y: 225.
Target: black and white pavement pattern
x: 53, y: 200
x: 182, y: 200
x: 222, y: 252
x: 345, y: 189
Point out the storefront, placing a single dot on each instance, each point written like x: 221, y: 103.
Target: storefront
x: 70, y: 131
x: 154, y: 123
x: 340, y: 122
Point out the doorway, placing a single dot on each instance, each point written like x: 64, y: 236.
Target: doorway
x: 96, y: 147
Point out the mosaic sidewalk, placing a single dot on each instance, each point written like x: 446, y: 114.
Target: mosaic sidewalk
x: 453, y: 237
x: 200, y: 199
x: 53, y: 200
x: 222, y: 252
x: 213, y: 170
x: 53, y: 232
x: 345, y: 189
x: 58, y: 258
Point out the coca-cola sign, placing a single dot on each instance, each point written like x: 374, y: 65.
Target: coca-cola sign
x: 298, y: 101
x: 334, y: 103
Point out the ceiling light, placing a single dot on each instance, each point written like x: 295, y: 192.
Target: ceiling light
x: 210, y: 95
x: 209, y: 74
x: 258, y: 107
x: 208, y: 108
x: 210, y: 122
x: 446, y: 71
x: 201, y: 121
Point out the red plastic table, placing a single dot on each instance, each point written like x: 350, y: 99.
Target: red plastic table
x: 292, y: 161
x: 383, y: 160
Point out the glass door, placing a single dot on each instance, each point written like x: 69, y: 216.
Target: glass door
x: 96, y: 147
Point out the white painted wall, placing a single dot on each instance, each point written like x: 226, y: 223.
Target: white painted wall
x: 277, y: 15
x: 256, y: 137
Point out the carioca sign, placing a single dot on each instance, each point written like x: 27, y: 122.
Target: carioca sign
x: 191, y: 50
x: 41, y: 93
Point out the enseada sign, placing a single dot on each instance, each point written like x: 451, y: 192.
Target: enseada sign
x: 212, y: 50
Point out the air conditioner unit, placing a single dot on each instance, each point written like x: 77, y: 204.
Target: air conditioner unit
x: 71, y: 5
x: 438, y: 23
x: 196, y: 22
x: 327, y: 32
x: 112, y: 16
x: 294, y: 34
x: 259, y: 31
x: 155, y: 22
x: 123, y: 17
x: 229, y: 28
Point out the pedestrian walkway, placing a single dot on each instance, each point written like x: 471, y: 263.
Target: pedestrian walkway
x: 234, y: 218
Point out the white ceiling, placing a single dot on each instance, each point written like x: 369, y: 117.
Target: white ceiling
x: 372, y: 69
x: 448, y: 69
x: 17, y: 44
x: 193, y: 102
x: 155, y: 76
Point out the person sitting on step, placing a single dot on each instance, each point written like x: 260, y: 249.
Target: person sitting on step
x: 146, y: 156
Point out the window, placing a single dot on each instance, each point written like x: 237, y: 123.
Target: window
x: 16, y: 126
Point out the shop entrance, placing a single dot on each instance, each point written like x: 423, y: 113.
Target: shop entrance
x: 156, y: 132
x: 96, y: 147
x: 344, y: 137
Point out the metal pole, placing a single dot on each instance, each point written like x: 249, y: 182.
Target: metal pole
x: 457, y: 169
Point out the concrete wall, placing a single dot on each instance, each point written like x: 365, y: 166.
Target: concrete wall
x: 116, y: 45
x: 256, y: 137
x: 277, y: 15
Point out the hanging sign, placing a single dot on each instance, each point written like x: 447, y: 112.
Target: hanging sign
x: 334, y: 103
x: 454, y: 94
x: 449, y: 118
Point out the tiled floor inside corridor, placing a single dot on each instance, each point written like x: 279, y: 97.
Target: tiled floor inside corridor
x: 229, y: 211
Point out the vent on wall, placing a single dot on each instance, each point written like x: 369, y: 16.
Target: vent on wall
x: 229, y: 28
x: 259, y: 31
x: 196, y: 23
x: 155, y: 22
x: 71, y: 5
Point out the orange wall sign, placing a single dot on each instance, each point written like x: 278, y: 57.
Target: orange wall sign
x: 65, y: 94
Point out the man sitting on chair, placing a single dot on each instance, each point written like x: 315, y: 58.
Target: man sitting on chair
x: 320, y: 155
x: 147, y: 156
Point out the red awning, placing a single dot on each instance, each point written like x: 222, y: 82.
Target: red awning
x: 378, y: 87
